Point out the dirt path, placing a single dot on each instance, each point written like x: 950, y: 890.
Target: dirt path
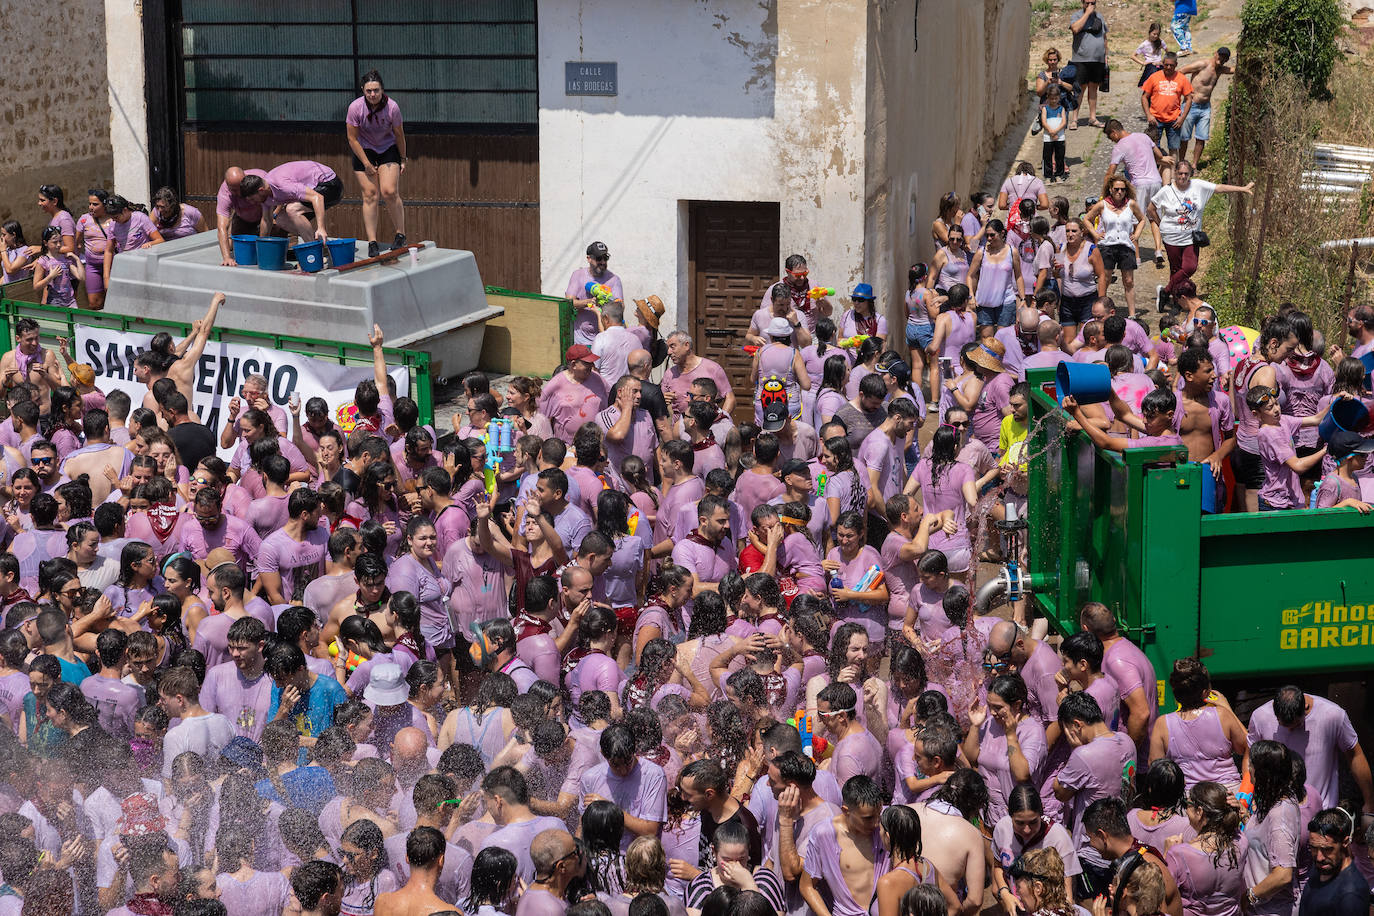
x: 1089, y: 150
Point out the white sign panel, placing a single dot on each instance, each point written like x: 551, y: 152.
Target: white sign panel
x: 221, y: 370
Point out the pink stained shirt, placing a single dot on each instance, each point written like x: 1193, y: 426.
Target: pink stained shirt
x: 640, y: 441
x: 234, y: 533
x: 880, y: 453
x: 613, y: 347
x: 297, y: 562
x: 376, y: 128
x: 186, y: 225
x: 753, y: 490
x: 569, y: 403
x: 479, y: 586
x: 677, y: 383
x: 585, y: 323
x: 291, y: 181
x: 1282, y: 486
x: 228, y: 203
x: 135, y: 232
x: 1136, y: 153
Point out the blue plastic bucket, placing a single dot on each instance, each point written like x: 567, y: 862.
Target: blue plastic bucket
x: 342, y: 251
x: 245, y: 249
x: 310, y: 255
x: 1209, y: 490
x: 1089, y: 383
x: 1346, y: 413
x: 271, y: 253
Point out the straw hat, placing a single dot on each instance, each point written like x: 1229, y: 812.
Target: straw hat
x: 649, y: 311
x: 988, y: 355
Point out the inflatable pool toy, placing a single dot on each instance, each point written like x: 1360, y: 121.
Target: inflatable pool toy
x: 1239, y: 341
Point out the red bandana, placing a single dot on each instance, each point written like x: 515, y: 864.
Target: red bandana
x: 163, y: 518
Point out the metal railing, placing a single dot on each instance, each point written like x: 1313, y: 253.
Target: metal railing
x: 55, y: 322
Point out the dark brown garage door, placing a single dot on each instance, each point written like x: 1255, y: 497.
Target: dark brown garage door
x: 733, y: 259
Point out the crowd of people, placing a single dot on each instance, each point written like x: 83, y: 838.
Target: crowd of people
x: 636, y: 640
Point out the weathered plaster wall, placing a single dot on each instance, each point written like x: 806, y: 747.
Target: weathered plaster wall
x: 940, y: 98
x: 731, y: 100
x: 54, y: 116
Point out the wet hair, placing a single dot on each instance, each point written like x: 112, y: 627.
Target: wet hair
x: 493, y: 873
x: 1161, y: 786
x: 1081, y: 707
x: 967, y: 792
x: 1220, y: 819
x: 603, y: 825
x: 1272, y: 768
x: 1010, y: 688
x: 1190, y: 682
x: 839, y: 647
x: 1290, y: 705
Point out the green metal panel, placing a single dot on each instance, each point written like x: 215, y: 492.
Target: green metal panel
x: 1287, y: 590
x: 57, y: 322
x: 1256, y: 595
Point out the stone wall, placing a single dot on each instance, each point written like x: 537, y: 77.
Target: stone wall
x: 55, y: 112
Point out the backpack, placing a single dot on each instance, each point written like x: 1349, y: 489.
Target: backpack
x: 1014, y: 221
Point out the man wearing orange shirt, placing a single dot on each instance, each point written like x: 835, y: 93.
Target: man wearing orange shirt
x: 1166, y: 98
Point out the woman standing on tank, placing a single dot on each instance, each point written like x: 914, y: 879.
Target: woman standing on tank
x: 378, y: 144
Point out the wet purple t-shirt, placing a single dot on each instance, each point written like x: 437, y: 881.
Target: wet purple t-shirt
x: 643, y: 794
x: 297, y: 562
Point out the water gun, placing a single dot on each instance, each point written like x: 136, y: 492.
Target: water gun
x: 750, y: 349
x: 852, y: 343
x: 353, y: 660
x: 600, y: 292
x: 821, y: 480
x: 813, y: 746
x: 499, y: 435
x: 871, y: 579
x: 820, y: 292
x: 1246, y: 794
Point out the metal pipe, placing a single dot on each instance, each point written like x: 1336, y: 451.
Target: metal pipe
x: 991, y: 589
x: 1338, y: 244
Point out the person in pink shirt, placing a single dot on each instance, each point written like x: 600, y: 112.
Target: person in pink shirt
x: 129, y: 228
x: 238, y: 212
x: 92, y: 238
x: 377, y: 140
x: 706, y: 552
x: 587, y: 320
x: 798, y: 289
x: 174, y: 219
x: 292, y: 557
x: 1282, y: 467
x: 575, y: 395
x: 294, y: 193
x: 684, y: 365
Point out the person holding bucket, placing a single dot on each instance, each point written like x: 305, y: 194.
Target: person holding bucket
x: 238, y: 212
x: 295, y: 193
x: 378, y: 144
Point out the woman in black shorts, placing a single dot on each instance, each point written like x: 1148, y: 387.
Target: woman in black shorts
x: 1082, y: 278
x: 378, y: 142
x: 1119, y: 221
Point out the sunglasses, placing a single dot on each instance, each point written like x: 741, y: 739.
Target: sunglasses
x: 799, y: 273
x: 1202, y: 321
x: 42, y: 460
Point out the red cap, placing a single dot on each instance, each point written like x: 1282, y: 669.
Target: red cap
x: 579, y: 351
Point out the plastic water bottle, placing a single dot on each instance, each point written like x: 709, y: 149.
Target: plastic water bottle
x: 836, y: 581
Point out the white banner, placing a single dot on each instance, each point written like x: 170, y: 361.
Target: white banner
x: 221, y: 370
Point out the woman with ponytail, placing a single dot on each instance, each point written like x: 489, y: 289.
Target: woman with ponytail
x: 1209, y: 868
x: 946, y: 484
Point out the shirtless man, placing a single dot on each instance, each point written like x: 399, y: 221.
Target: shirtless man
x: 1204, y: 75
x: 1203, y: 417
x: 425, y: 849
x: 846, y: 852
x: 370, y: 600
x: 950, y: 840
x: 182, y: 372
x: 98, y: 454
x: 28, y: 362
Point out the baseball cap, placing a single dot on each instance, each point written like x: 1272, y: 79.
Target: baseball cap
x: 1344, y: 443
x: 775, y: 416
x: 795, y: 466
x: 579, y: 352
x: 598, y: 250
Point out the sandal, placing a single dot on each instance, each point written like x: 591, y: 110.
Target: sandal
x: 1096, y: 123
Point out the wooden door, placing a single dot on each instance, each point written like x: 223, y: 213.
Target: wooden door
x: 733, y: 259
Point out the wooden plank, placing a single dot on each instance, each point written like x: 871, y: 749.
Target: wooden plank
x: 523, y: 341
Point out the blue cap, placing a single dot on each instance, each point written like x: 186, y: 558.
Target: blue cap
x: 862, y: 291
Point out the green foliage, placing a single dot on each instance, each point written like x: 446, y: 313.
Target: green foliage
x: 1299, y: 34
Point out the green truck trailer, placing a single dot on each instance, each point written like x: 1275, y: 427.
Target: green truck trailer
x: 1262, y: 598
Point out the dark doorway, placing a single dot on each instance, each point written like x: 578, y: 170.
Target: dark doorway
x: 732, y: 256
